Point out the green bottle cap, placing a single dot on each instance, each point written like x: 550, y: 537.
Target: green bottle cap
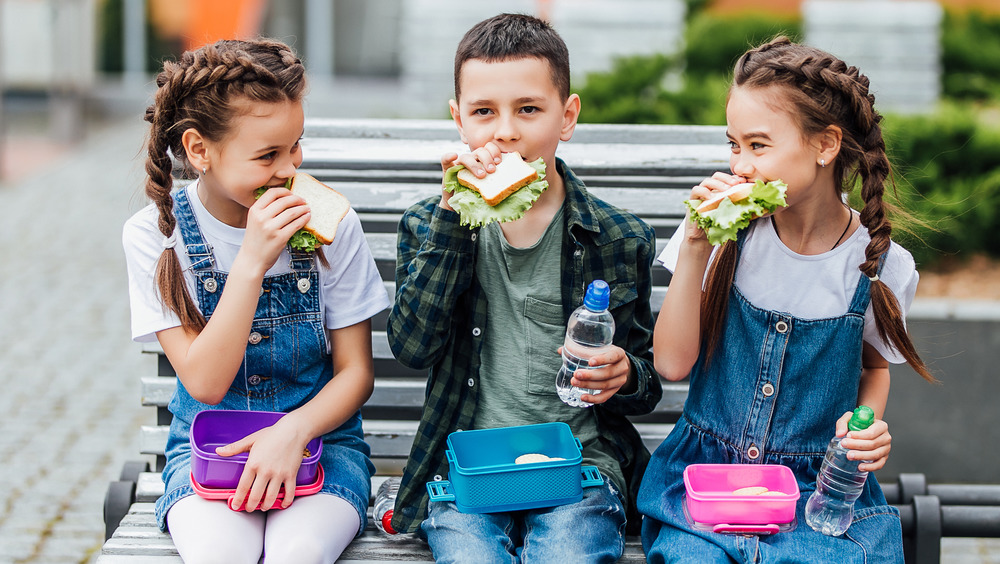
x: 862, y: 419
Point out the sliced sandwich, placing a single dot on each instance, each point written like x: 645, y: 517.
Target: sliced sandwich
x: 503, y: 195
x: 326, y: 205
x: 724, y: 214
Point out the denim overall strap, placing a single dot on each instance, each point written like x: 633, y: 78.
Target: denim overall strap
x: 198, y: 251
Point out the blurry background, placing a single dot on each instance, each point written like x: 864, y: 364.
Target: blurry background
x: 76, y: 75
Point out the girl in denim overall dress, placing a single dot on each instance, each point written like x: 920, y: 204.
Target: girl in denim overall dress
x: 246, y: 322
x: 784, y: 331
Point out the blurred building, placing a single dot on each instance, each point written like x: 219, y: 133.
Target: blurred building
x: 108, y: 50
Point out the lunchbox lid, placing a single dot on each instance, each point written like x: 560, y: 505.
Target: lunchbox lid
x: 217, y: 427
x: 495, y: 450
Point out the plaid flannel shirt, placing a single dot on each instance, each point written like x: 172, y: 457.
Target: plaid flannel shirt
x: 439, y: 316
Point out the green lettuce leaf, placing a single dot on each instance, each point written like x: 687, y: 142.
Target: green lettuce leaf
x: 474, y: 211
x: 724, y: 222
x: 302, y: 240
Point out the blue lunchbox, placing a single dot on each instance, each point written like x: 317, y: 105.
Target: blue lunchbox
x: 484, y: 478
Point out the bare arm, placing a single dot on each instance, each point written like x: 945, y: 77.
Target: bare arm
x: 677, y: 336
x: 872, y: 444
x: 207, y: 362
x: 276, y: 452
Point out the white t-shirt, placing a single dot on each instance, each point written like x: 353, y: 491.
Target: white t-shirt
x: 352, y: 289
x: 773, y: 277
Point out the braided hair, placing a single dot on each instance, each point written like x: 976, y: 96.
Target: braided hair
x: 201, y: 91
x: 822, y: 90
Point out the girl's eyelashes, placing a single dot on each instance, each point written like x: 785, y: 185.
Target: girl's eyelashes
x: 268, y: 156
x: 530, y: 109
x: 482, y: 112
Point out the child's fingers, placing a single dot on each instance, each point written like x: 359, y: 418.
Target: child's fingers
x: 841, y: 428
x: 448, y: 160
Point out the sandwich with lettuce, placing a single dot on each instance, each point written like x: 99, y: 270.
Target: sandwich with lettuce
x: 724, y: 214
x: 503, y: 195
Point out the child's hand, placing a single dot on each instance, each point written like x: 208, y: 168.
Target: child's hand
x: 480, y: 162
x: 872, y: 444
x: 275, y: 457
x: 608, y: 379
x: 271, y: 222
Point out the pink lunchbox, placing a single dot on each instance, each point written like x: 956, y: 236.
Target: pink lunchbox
x: 712, y: 503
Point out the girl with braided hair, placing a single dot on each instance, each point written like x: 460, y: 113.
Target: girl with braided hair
x: 785, y: 330
x: 247, y: 322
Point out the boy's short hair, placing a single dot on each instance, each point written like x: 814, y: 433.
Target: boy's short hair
x: 515, y: 36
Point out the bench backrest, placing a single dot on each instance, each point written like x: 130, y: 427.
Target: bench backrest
x: 384, y: 166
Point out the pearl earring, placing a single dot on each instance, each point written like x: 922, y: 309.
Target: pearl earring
x: 822, y: 163
x: 204, y: 170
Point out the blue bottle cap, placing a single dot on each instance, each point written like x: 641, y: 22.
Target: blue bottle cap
x: 598, y: 296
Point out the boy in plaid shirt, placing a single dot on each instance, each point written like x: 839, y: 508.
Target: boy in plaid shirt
x: 484, y: 310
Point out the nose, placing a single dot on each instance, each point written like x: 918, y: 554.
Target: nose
x: 286, y: 169
x: 506, y: 129
x: 741, y: 164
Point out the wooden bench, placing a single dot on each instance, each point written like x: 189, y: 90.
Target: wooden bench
x: 383, y: 166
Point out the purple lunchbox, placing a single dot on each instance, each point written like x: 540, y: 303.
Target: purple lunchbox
x: 214, y: 428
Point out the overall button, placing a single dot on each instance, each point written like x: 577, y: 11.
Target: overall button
x: 254, y: 380
x: 476, y: 331
x: 753, y: 452
x: 781, y: 327
x: 261, y: 293
x: 304, y: 284
x: 254, y: 338
x: 211, y: 285
x: 768, y: 390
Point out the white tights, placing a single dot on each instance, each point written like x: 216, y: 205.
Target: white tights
x: 315, y: 529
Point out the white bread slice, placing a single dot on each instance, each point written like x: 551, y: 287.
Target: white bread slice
x: 735, y: 194
x: 328, y: 207
x: 511, y: 174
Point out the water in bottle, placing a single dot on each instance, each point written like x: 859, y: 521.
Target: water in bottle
x: 589, y: 332
x: 385, y: 500
x: 831, y: 507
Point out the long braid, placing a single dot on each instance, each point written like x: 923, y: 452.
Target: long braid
x: 826, y: 91
x: 198, y: 92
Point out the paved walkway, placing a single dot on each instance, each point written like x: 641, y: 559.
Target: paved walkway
x: 69, y: 392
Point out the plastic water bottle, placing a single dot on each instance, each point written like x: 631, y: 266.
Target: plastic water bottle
x: 589, y: 332
x: 385, y: 500
x: 831, y: 507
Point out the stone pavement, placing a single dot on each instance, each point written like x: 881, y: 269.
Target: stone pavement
x: 69, y: 391
x: 69, y: 374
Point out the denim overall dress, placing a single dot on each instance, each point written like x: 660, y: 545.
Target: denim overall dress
x: 771, y: 395
x: 286, y: 363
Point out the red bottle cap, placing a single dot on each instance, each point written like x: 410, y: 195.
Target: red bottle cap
x: 387, y: 522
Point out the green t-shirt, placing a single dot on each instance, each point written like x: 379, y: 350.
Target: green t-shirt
x: 525, y: 328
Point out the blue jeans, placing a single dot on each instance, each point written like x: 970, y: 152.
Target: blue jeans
x: 591, y: 530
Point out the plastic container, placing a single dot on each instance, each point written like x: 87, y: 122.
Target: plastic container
x: 385, y: 501
x: 589, y: 332
x: 227, y: 494
x: 830, y: 508
x: 214, y: 428
x: 712, y: 503
x: 484, y: 478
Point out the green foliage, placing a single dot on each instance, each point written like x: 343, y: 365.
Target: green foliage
x: 948, y: 176
x: 970, y: 56
x: 714, y: 43
x: 641, y: 89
